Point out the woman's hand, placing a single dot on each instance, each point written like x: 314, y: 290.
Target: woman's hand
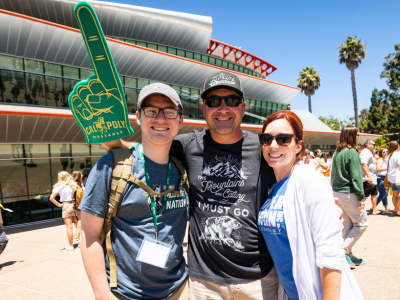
x: 339, y: 211
x: 61, y: 204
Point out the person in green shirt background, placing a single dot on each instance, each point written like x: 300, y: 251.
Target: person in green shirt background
x: 347, y: 185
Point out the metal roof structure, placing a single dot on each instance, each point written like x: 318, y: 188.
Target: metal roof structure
x: 175, y: 29
x: 310, y: 121
x: 37, y: 39
x: 22, y: 124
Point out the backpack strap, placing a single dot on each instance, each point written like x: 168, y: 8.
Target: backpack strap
x: 184, y: 178
x: 121, y: 173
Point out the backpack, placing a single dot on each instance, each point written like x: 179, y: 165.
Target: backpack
x: 77, y: 198
x: 121, y: 175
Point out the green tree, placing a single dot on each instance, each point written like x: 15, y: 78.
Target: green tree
x: 378, y: 111
x: 363, y: 120
x: 351, y: 53
x: 309, y: 81
x: 392, y: 69
x: 394, y: 115
x: 333, y: 123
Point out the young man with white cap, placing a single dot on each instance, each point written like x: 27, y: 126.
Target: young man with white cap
x: 147, y: 233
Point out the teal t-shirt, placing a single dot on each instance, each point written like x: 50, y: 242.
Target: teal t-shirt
x: 271, y: 222
x: 134, y: 222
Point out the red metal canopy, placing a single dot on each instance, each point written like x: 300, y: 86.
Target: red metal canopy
x: 265, y: 67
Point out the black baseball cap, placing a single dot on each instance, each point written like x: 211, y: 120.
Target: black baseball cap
x: 222, y: 80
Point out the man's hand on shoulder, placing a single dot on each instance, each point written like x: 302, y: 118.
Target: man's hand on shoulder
x: 117, y: 144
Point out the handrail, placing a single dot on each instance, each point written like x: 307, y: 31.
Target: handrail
x: 265, y: 67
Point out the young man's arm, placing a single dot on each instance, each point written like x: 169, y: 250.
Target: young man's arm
x: 93, y: 256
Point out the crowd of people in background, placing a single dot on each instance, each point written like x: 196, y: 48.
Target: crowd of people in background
x: 357, y: 173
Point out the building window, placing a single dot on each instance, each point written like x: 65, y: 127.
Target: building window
x: 172, y: 50
x: 131, y: 96
x: 12, y: 87
x: 189, y: 54
x: 68, y: 88
x: 10, y: 62
x: 52, y: 69
x: 53, y: 91
x: 33, y: 66
x: 197, y: 57
x: 71, y: 72
x: 195, y: 104
x: 204, y: 58
x: 35, y: 93
x: 162, y: 48
x: 86, y: 73
x: 142, y: 83
x: 131, y: 82
x: 152, y: 46
x: 185, y: 98
x: 180, y: 53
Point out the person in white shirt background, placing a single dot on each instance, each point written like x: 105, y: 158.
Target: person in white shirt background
x: 393, y: 163
x: 65, y: 188
x: 369, y: 174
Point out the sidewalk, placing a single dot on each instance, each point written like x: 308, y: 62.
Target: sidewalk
x: 35, y: 266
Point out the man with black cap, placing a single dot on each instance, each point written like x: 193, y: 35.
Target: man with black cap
x: 147, y: 232
x: 229, y: 182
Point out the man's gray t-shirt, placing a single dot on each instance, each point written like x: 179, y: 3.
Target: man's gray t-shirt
x: 367, y: 158
x: 134, y: 222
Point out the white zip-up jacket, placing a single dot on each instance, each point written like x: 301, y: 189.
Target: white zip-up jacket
x: 314, y: 234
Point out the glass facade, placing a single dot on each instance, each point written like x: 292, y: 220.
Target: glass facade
x: 28, y: 173
x: 205, y: 58
x: 38, y: 83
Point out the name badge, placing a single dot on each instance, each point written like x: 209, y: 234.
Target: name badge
x: 152, y: 253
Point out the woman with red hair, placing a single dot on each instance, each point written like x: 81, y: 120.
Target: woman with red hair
x: 299, y: 219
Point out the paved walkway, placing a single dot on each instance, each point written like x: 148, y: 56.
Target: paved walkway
x: 35, y: 266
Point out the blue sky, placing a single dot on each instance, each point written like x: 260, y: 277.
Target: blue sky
x: 294, y: 34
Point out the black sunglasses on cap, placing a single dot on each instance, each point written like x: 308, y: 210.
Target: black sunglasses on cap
x: 216, y: 101
x: 282, y: 139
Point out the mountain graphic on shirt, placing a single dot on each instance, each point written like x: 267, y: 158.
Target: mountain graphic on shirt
x: 226, y: 170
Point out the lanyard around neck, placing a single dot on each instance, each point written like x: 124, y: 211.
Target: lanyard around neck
x: 148, y: 182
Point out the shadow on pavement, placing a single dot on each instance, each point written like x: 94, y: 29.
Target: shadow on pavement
x: 6, y: 264
x: 10, y: 231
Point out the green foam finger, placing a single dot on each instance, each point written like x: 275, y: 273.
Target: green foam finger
x: 98, y: 103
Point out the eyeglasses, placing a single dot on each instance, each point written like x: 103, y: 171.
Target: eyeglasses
x: 384, y: 152
x: 152, y: 112
x: 216, y: 101
x: 282, y: 139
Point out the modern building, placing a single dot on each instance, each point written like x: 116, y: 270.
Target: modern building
x: 42, y: 57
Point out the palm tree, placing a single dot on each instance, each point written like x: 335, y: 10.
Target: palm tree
x: 351, y: 53
x: 309, y: 82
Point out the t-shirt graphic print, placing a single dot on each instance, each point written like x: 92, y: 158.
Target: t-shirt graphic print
x: 222, y: 178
